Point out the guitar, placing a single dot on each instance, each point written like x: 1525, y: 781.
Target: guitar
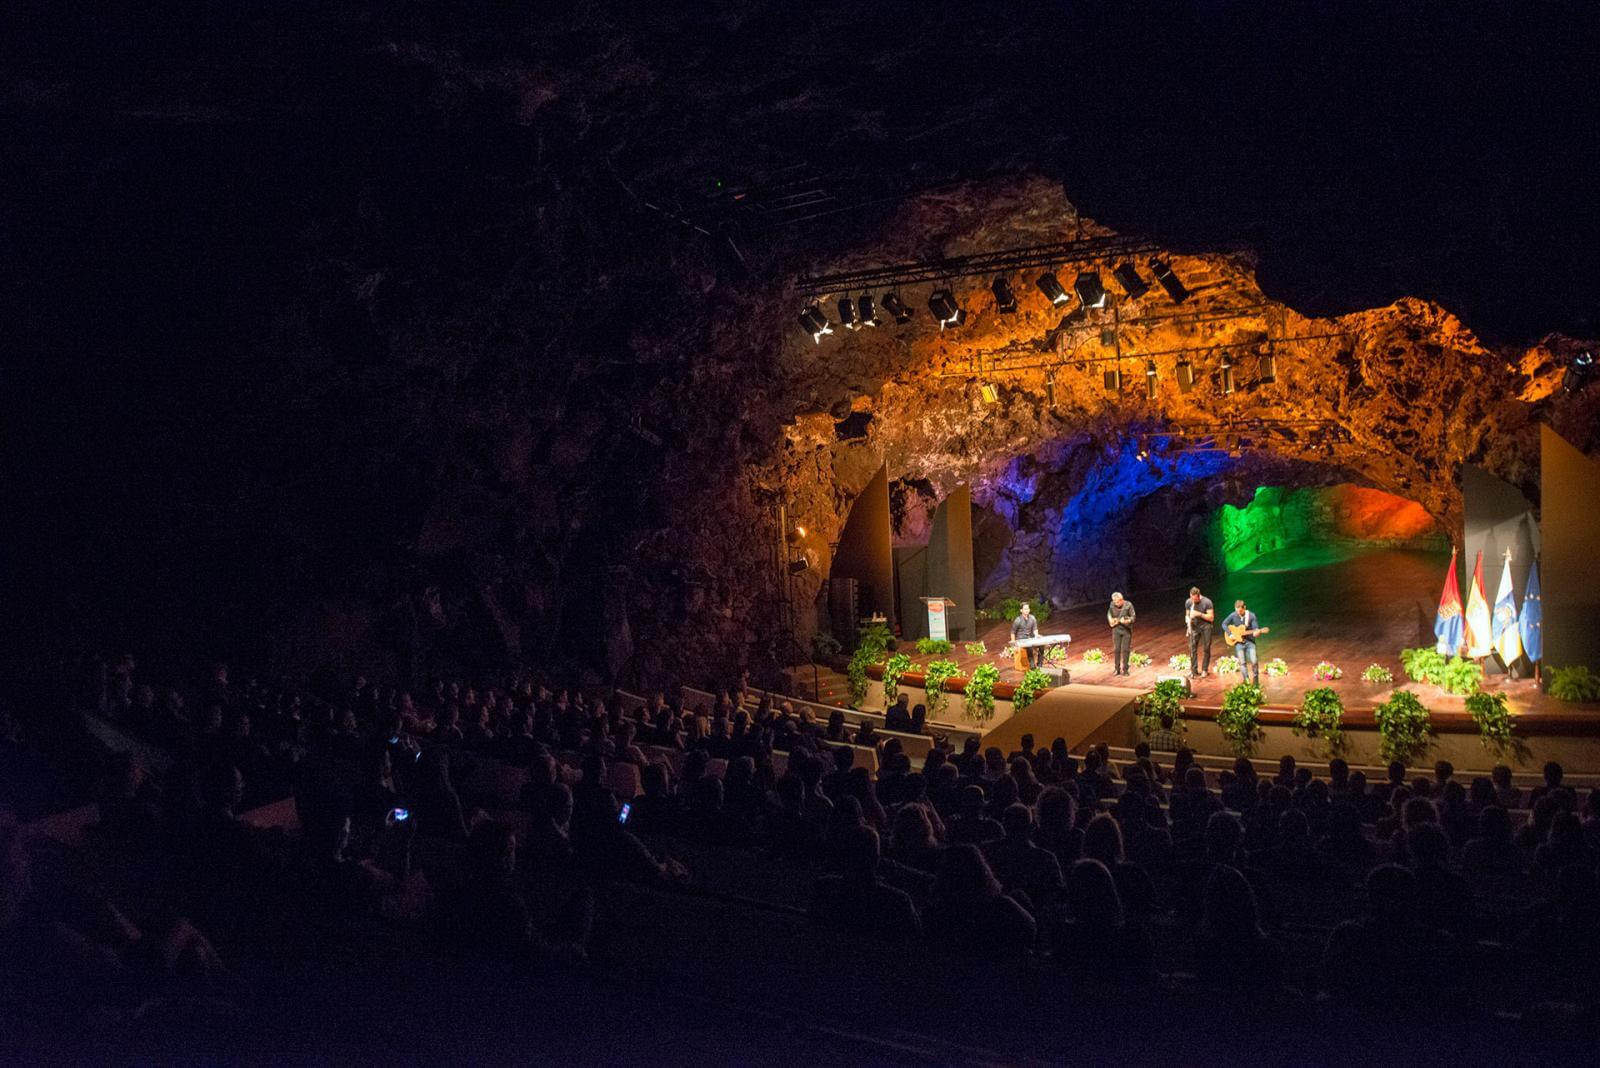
x: 1235, y: 635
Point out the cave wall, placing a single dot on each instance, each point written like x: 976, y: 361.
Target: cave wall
x: 1281, y: 518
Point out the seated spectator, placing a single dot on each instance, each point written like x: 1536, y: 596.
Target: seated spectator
x: 857, y: 900
x: 657, y: 810
x: 1022, y: 867
x: 1449, y: 898
x: 1382, y: 960
x: 1058, y: 829
x: 1232, y: 950
x: 1102, y: 841
x: 436, y: 806
x: 1090, y: 936
x: 919, y: 719
x: 492, y: 919
x: 1509, y: 796
x: 1565, y: 847
x: 1492, y: 857
x: 898, y: 716
x: 1242, y: 793
x: 1286, y: 772
x: 1552, y: 781
x: 969, y: 824
x: 1025, y: 752
x: 915, y: 843
x: 969, y: 912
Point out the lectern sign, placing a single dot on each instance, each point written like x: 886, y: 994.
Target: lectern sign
x: 936, y: 625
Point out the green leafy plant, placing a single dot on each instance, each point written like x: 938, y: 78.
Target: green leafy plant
x: 1461, y: 676
x: 1576, y: 683
x: 977, y: 649
x: 1276, y: 668
x: 1377, y: 673
x: 1227, y: 665
x: 937, y: 674
x: 1040, y: 609
x: 1179, y: 662
x: 824, y: 645
x: 1424, y: 664
x: 898, y: 665
x: 1095, y: 656
x: 1326, y: 672
x: 1056, y: 654
x: 872, y: 642
x: 933, y: 646
x: 1320, y: 716
x: 1008, y: 608
x: 1490, y: 712
x: 980, y: 693
x: 1033, y: 683
x: 1166, y: 700
x: 1139, y: 660
x: 1404, y: 728
x: 1239, y: 719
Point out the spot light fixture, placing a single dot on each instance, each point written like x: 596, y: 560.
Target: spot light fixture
x: 1578, y: 372
x: 1050, y: 388
x: 1169, y: 281
x: 1051, y: 287
x: 1226, y: 379
x: 869, y: 314
x: 897, y: 308
x: 800, y: 566
x: 814, y: 322
x: 989, y: 393
x: 1127, y: 276
x: 1184, y: 374
x: 942, y: 303
x: 1090, y: 289
x: 1150, y: 379
x: 847, y: 314
x: 1113, y: 380
x: 1005, y: 299
x: 1267, y: 369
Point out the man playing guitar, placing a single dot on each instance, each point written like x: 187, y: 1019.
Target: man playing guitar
x: 1239, y: 630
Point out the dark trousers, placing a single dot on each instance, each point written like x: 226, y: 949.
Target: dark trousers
x: 1200, y: 648
x: 1121, y: 646
x: 1036, y: 656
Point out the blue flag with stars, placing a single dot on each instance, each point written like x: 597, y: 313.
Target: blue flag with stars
x: 1532, y: 618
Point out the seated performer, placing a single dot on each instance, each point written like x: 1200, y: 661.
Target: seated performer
x: 1246, y: 649
x: 1120, y: 618
x: 1198, y: 615
x: 1023, y: 627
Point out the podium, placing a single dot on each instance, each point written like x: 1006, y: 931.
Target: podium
x: 938, y: 625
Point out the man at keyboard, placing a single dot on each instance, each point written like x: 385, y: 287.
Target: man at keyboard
x: 1026, y: 626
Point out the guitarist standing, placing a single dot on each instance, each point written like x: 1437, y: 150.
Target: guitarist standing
x: 1243, y: 619
x: 1120, y: 618
x: 1198, y: 615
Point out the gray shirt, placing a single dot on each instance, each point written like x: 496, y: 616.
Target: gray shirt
x: 1025, y: 627
x: 1192, y: 611
x: 1120, y: 617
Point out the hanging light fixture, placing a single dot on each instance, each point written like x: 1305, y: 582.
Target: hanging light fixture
x: 1184, y: 374
x: 814, y: 322
x: 989, y: 394
x: 1050, y: 388
x: 1227, y: 377
x: 1169, y: 281
x: 1127, y: 276
x: 1005, y: 299
x: 1113, y: 380
x: 942, y: 303
x: 1267, y: 369
x: 869, y: 314
x: 1051, y: 287
x: 847, y: 314
x: 1150, y: 380
x: 897, y: 308
x: 1090, y: 289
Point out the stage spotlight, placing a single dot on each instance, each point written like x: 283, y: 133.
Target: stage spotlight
x: 942, y: 303
x: 1051, y: 287
x: 897, y: 308
x: 1113, y: 381
x: 1267, y: 369
x: 1144, y: 449
x: 1108, y: 337
x: 847, y: 314
x: 1090, y: 289
x: 1050, y: 388
x: 869, y: 314
x: 797, y: 535
x: 1578, y: 372
x: 1169, y: 281
x: 1184, y: 374
x: 989, y: 393
x: 1004, y: 299
x: 814, y: 322
x: 1127, y: 276
x: 1227, y: 377
x: 1150, y: 379
x: 798, y: 566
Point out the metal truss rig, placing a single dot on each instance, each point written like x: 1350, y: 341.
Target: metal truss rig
x: 1083, y: 250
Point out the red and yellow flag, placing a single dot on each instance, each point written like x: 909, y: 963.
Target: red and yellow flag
x: 1480, y: 632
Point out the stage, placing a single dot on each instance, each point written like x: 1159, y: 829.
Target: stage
x: 1350, y: 608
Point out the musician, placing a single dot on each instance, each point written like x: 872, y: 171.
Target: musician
x: 1026, y: 626
x: 1241, y: 616
x: 1198, y: 616
x: 1120, y: 618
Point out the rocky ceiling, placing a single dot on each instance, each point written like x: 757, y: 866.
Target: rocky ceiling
x: 430, y: 336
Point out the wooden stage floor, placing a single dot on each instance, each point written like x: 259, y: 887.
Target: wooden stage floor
x: 1349, y: 608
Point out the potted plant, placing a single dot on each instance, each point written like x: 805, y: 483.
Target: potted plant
x: 1164, y: 704
x: 1239, y: 719
x: 1095, y: 656
x: 1377, y: 673
x: 1575, y: 683
x: 1179, y: 662
x: 1227, y: 665
x: 1493, y: 717
x: 1320, y: 717
x: 1326, y: 672
x: 897, y: 666
x: 1276, y: 668
x: 1404, y: 727
x: 1138, y: 660
x: 1033, y: 683
x: 933, y: 646
x: 980, y: 693
x: 937, y: 674
x: 1423, y: 665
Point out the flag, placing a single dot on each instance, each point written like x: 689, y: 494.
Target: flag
x: 1480, y: 639
x: 1447, y: 624
x: 1507, y: 638
x: 1531, y: 623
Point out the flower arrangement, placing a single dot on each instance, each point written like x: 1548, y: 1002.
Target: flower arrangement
x: 980, y: 693
x: 1179, y: 662
x: 1227, y: 665
x: 977, y: 649
x: 1276, y: 668
x: 1139, y: 660
x: 1095, y: 656
x: 1032, y: 685
x: 1377, y: 673
x: 1326, y: 672
x: 938, y: 673
x: 1056, y: 654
